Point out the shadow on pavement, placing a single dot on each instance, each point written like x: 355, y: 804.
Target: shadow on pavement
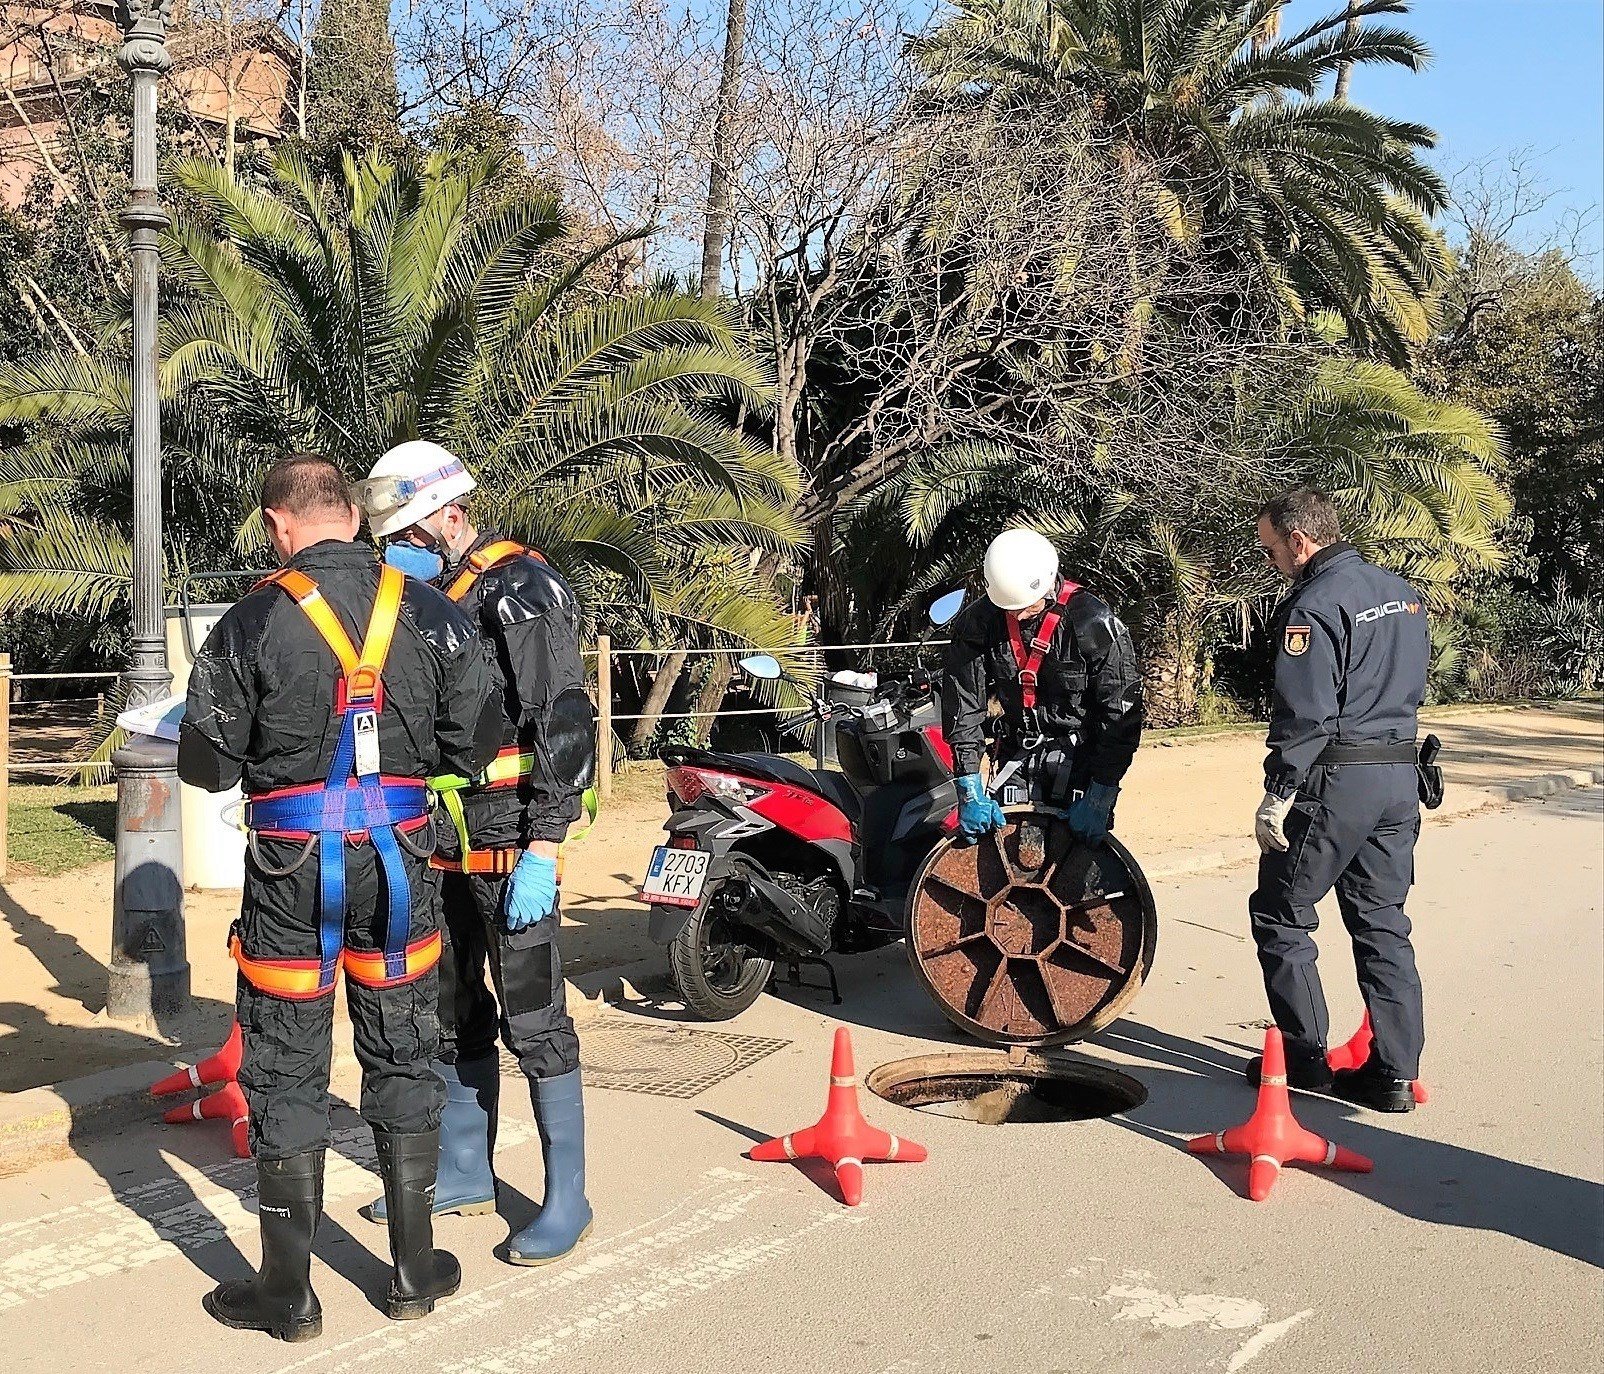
x: 81, y: 977
x: 1195, y: 1088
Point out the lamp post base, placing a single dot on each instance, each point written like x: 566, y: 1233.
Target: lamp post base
x: 149, y: 964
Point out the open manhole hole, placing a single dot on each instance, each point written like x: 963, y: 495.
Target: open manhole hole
x: 996, y: 1090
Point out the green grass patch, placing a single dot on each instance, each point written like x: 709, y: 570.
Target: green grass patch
x: 57, y: 829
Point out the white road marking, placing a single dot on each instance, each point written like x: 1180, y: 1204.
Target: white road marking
x: 1166, y: 1311
x: 163, y: 1218
x: 625, y: 1277
x: 1262, y: 1339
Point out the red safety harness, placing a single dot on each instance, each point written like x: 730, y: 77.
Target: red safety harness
x: 1028, y: 661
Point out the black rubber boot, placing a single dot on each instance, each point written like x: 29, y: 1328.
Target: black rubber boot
x: 279, y: 1300
x: 423, y: 1275
x: 1309, y: 1075
x: 1372, y: 1086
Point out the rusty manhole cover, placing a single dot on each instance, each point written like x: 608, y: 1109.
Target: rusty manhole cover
x: 1030, y: 937
x: 662, y: 1061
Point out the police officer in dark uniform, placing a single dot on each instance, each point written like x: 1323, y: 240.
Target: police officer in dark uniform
x: 498, y: 857
x: 332, y: 689
x: 1342, y: 801
x: 1061, y: 665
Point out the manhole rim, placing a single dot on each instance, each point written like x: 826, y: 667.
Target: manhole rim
x: 959, y: 1064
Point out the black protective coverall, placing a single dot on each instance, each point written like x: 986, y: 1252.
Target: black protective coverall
x: 529, y: 618
x: 261, y: 708
x: 1088, y: 698
x: 1351, y: 651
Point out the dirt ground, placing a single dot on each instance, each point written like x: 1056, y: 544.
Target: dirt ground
x: 1183, y: 798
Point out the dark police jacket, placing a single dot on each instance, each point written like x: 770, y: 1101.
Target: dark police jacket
x: 261, y: 694
x: 528, y: 617
x: 1351, y: 649
x: 1090, y: 686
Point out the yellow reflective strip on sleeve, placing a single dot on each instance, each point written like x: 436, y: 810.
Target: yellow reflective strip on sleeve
x: 590, y: 799
x: 506, y: 767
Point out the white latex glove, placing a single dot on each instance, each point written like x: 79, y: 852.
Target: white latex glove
x: 1269, y: 823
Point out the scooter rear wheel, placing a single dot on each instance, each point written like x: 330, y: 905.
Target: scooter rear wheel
x: 717, y: 972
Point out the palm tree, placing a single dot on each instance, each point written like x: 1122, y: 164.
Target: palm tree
x: 1413, y: 478
x: 399, y: 300
x: 1327, y: 202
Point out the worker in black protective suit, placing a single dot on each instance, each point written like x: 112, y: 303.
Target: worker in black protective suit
x: 1343, y: 780
x: 497, y: 859
x: 1061, y: 666
x: 331, y: 690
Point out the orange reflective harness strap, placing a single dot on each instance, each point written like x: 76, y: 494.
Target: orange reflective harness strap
x: 481, y: 561
x: 510, y: 766
x: 355, y: 801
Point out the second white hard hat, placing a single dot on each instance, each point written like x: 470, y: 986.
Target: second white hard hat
x: 1021, y: 568
x: 411, y: 481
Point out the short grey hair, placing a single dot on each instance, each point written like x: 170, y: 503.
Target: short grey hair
x: 1306, y: 509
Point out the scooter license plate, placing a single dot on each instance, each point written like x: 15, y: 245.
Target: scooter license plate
x: 676, y: 876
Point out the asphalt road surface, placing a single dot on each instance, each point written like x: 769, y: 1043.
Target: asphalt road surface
x: 1477, y: 1243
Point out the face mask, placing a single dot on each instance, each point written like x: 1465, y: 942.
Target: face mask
x: 423, y: 564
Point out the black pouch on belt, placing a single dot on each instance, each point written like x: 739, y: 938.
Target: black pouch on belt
x: 1429, y: 774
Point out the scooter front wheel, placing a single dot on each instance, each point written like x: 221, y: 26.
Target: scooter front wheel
x: 714, y: 966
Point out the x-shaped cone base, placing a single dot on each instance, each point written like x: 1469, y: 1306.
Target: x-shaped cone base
x: 841, y: 1137
x: 1272, y: 1137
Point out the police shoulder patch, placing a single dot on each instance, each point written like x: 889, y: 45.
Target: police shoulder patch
x: 1296, y: 640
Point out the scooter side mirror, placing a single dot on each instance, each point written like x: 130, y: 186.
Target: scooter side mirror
x: 945, y: 608
x: 764, y: 666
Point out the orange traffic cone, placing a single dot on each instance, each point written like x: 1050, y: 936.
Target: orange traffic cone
x: 1353, y: 1054
x: 1272, y: 1137
x: 227, y: 1104
x: 841, y: 1136
x: 222, y: 1067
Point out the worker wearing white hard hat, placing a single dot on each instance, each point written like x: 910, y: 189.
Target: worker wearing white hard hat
x: 498, y: 856
x: 1061, y: 665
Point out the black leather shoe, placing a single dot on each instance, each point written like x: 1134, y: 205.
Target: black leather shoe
x: 423, y: 1275
x: 279, y: 1300
x: 1309, y: 1076
x: 1370, y: 1086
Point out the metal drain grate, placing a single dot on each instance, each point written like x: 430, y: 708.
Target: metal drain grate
x: 662, y: 1062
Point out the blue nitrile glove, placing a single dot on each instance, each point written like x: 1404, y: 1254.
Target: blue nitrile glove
x: 1089, y: 814
x: 978, y: 814
x: 531, y: 892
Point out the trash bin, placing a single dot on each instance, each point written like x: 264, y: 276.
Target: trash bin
x: 850, y: 689
x: 214, y: 849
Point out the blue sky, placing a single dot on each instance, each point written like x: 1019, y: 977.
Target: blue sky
x: 1506, y: 75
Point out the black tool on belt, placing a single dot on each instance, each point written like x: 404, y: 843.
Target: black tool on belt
x: 1423, y: 756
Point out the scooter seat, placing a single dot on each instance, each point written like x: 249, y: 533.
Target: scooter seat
x: 834, y: 787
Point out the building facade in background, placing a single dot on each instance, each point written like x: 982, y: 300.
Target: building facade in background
x: 235, y: 73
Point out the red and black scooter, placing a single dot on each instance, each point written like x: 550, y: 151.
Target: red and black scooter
x: 772, y: 862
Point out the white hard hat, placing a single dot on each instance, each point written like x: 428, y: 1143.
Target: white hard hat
x: 1021, y: 569
x: 411, y: 481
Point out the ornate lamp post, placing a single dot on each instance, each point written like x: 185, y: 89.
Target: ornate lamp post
x: 149, y: 967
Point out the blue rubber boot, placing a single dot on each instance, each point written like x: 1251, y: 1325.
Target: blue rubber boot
x: 465, y: 1184
x: 565, y: 1217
